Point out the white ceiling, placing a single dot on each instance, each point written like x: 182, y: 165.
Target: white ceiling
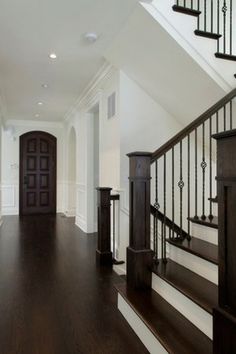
x: 31, y: 29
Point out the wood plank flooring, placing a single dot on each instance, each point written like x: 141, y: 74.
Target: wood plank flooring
x: 53, y: 297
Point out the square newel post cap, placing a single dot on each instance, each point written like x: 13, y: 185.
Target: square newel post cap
x: 140, y: 153
x: 226, y: 134
x: 104, y: 189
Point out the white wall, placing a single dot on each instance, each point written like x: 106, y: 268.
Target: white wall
x: 0, y: 171
x: 145, y: 126
x: 91, y: 106
x: 10, y: 162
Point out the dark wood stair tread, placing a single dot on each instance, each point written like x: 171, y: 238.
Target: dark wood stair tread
x: 201, y: 291
x: 213, y: 223
x: 200, y: 248
x: 176, y: 334
x: 225, y: 56
x: 186, y: 10
x: 207, y: 34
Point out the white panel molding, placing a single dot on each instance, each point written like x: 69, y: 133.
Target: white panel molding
x: 10, y: 198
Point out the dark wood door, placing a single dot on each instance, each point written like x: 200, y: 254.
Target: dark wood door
x: 37, y: 173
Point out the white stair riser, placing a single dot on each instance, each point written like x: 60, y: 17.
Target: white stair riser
x: 205, y: 233
x: 140, y: 328
x: 196, y: 264
x: 189, y: 309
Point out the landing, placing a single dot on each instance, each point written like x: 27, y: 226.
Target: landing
x: 53, y: 298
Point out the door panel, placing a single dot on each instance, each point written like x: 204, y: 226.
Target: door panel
x: 37, y: 173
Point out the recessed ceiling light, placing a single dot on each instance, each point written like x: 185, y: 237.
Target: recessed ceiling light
x: 52, y: 56
x: 36, y: 115
x: 45, y: 86
x: 40, y: 103
x: 91, y: 37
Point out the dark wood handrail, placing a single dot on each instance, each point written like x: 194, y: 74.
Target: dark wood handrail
x: 192, y: 126
x: 115, y: 197
x: 169, y: 223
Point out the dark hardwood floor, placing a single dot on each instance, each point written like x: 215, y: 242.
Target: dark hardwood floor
x: 53, y: 297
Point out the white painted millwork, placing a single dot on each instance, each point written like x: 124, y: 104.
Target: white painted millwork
x: 139, y: 327
x: 205, y: 233
x: 189, y: 309
x: 196, y: 264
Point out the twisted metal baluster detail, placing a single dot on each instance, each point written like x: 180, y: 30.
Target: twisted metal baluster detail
x: 203, y: 166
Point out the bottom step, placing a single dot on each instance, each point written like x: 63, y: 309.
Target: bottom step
x: 159, y: 325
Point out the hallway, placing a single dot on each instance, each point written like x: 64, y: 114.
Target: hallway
x: 53, y: 298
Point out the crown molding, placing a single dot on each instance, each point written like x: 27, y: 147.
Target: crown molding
x: 92, y: 90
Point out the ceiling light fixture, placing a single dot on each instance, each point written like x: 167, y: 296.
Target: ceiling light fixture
x: 91, y: 37
x: 45, y: 86
x: 52, y: 56
x: 40, y: 103
x: 36, y: 115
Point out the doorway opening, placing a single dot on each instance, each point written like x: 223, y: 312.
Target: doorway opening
x: 38, y: 164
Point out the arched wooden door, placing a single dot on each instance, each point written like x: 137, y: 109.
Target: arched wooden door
x: 37, y: 173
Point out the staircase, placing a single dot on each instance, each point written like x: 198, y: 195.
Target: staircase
x: 180, y: 293
x: 214, y: 21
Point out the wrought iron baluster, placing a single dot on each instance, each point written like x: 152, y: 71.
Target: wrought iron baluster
x: 189, y: 196
x: 196, y: 177
x: 198, y: 18
x: 212, y: 17
x: 231, y: 29
x: 181, y: 186
x: 157, y: 207
x: 205, y: 15
x: 231, y: 115
x: 218, y: 24
x: 173, y: 191
x: 203, y: 166
x: 164, y: 245
x: 224, y: 113
x: 114, y: 229
x: 210, y: 172
x: 217, y: 122
x: 224, y: 10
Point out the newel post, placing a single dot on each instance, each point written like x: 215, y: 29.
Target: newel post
x: 139, y: 254
x: 224, y: 316
x: 103, y: 252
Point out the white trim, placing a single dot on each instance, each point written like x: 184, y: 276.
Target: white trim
x: 189, y: 309
x: 196, y: 264
x: 92, y: 92
x: 139, y: 327
x: 35, y: 123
